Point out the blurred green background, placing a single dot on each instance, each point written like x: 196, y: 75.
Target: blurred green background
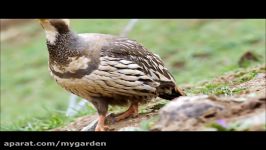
x: 193, y: 50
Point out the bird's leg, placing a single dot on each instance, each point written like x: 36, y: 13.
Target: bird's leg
x: 132, y: 111
x: 101, y: 124
x: 102, y: 108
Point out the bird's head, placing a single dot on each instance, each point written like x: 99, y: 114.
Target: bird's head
x: 54, y: 27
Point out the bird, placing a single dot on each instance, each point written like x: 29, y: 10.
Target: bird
x: 106, y: 70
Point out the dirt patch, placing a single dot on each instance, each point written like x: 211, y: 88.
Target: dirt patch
x: 179, y: 64
x: 203, y: 55
x: 17, y: 31
x: 246, y: 57
x: 8, y: 23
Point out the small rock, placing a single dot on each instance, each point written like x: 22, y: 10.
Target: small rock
x: 255, y: 122
x: 184, y: 112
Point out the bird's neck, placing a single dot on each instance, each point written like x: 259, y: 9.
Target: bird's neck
x: 62, y: 46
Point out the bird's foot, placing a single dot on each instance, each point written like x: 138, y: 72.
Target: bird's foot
x: 101, y: 124
x: 125, y: 116
x: 131, y: 112
x: 102, y: 128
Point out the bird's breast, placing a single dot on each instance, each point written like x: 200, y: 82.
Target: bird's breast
x: 75, y: 63
x: 112, y: 78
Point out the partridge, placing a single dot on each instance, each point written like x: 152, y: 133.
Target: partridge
x: 106, y: 70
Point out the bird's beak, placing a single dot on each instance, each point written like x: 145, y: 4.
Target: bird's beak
x: 42, y: 21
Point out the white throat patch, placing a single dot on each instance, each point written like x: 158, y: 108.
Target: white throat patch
x: 51, y: 36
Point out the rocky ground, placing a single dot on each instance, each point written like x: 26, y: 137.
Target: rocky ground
x: 240, y: 106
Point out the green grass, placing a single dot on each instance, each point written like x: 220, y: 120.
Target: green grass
x: 226, y: 87
x: 246, y: 77
x: 146, y: 125
x: 192, y: 50
x: 231, y: 126
x: 217, y: 89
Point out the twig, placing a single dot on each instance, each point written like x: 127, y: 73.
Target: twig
x: 71, y: 106
x: 129, y: 27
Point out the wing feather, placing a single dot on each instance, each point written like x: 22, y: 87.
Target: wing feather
x: 129, y: 50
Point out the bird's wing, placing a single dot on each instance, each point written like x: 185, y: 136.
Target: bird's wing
x: 133, y: 53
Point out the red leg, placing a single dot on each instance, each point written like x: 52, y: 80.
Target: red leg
x: 101, y: 125
x: 132, y: 111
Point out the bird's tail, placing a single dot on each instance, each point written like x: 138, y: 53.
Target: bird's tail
x: 176, y: 92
